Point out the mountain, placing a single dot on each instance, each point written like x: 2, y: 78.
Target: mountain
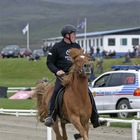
x: 46, y: 17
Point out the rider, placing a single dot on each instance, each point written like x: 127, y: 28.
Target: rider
x: 59, y: 62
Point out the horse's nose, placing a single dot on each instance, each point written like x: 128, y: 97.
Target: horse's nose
x: 86, y: 65
x: 87, y: 68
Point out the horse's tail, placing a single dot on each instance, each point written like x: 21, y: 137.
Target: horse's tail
x: 43, y: 93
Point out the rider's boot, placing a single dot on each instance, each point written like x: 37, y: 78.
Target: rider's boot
x: 51, y: 117
x: 49, y: 121
x: 96, y: 122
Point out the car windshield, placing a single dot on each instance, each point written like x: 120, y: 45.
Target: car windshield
x: 11, y: 47
x: 38, y: 52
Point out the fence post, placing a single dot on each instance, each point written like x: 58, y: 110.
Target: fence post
x: 49, y: 133
x: 138, y: 114
x: 134, y: 130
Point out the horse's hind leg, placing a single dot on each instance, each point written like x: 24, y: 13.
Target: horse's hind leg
x: 56, y: 130
x: 83, y: 131
x: 64, y: 133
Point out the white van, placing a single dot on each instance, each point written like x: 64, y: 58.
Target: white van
x: 115, y: 89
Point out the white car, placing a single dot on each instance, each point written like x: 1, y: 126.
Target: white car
x: 135, y: 102
x: 115, y: 89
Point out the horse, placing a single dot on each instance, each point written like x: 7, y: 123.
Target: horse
x: 76, y: 107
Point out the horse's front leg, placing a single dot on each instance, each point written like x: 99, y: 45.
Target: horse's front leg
x: 86, y: 127
x: 57, y: 131
x: 75, y: 120
x: 64, y: 133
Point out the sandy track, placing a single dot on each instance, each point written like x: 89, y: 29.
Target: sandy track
x: 27, y: 128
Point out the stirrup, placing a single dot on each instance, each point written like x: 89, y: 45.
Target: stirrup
x: 99, y: 123
x: 49, y: 121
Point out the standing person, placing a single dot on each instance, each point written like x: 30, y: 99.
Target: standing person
x: 99, y: 65
x: 92, y: 76
x: 97, y: 51
x: 59, y: 62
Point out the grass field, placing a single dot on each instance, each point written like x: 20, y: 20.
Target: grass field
x: 22, y: 72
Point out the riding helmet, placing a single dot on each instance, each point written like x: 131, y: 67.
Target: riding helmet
x: 68, y: 29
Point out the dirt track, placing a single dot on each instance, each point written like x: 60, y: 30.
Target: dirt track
x: 27, y: 128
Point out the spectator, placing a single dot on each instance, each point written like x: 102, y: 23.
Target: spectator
x: 126, y: 58
x: 97, y: 51
x: 99, y: 65
x: 91, y: 52
x: 134, y: 50
x: 92, y: 76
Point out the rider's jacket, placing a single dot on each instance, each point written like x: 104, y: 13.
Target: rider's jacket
x: 58, y: 56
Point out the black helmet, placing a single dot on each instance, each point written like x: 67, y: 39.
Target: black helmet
x: 67, y: 29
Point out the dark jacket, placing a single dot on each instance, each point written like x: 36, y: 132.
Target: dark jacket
x: 58, y: 58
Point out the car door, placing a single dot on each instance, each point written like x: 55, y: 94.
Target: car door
x: 112, y: 91
x: 106, y: 87
x: 98, y: 88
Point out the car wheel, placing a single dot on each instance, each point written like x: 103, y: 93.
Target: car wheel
x: 123, y: 105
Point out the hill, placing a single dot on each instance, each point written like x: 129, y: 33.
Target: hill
x: 46, y: 17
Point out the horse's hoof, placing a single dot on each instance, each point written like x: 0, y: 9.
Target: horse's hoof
x: 77, y: 136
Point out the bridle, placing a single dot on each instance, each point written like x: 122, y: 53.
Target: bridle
x: 85, y: 69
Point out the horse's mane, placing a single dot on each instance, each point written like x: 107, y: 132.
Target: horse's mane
x: 74, y: 52
x: 68, y: 78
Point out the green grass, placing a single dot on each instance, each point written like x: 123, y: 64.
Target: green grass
x: 17, y: 104
x: 21, y: 72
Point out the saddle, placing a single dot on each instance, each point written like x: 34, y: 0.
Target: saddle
x: 59, y: 103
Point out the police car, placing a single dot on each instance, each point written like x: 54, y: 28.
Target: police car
x: 118, y: 89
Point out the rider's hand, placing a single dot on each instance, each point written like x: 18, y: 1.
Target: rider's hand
x: 60, y: 73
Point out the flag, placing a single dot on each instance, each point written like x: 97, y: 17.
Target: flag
x: 26, y: 29
x: 81, y: 25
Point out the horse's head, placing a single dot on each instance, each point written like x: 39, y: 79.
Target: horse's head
x: 81, y: 63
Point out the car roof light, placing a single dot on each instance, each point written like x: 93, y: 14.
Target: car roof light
x: 125, y: 67
x: 137, y: 92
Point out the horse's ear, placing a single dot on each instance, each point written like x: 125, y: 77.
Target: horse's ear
x: 74, y: 52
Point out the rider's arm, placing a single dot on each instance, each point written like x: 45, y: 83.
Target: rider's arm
x: 51, y: 60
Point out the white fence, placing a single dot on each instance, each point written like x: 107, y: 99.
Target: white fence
x: 49, y: 133
x: 117, y: 111
x: 15, y: 89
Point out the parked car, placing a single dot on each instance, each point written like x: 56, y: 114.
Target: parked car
x: 135, y: 102
x: 116, y: 90
x: 38, y: 52
x: 10, y: 51
x: 24, y: 52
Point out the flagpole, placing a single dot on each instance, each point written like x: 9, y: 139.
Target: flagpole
x: 28, y: 38
x: 85, y: 35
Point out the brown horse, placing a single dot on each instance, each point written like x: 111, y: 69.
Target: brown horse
x: 76, y: 107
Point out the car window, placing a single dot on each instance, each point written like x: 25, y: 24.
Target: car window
x: 102, y: 81
x: 128, y: 78
x: 115, y: 79
x: 118, y: 79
